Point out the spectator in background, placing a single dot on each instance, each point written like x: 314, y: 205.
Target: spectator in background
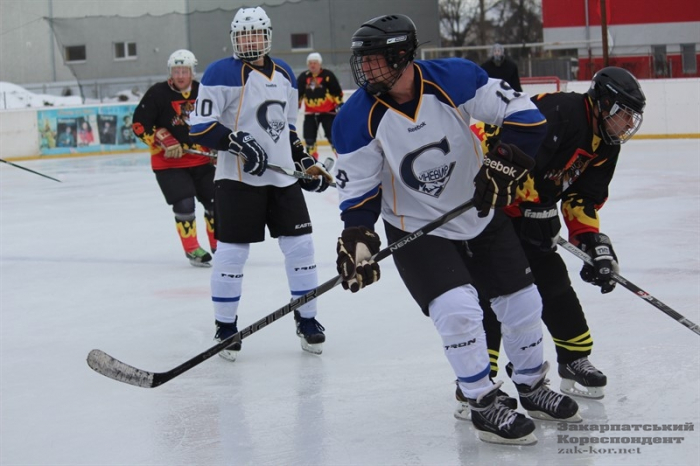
x: 498, y: 66
x: 322, y: 96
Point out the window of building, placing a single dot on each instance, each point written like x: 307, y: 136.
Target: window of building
x: 125, y: 50
x: 660, y: 64
x: 74, y: 53
x: 302, y: 41
x: 690, y: 65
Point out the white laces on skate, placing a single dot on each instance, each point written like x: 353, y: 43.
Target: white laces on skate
x: 583, y: 365
x: 496, y: 413
x: 544, y: 397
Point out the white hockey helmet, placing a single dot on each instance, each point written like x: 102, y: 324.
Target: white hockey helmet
x: 314, y: 56
x: 254, y: 28
x: 184, y: 58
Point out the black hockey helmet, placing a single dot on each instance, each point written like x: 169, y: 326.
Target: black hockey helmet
x: 616, y: 90
x: 391, y: 36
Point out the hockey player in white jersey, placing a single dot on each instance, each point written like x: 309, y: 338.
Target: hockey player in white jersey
x: 405, y: 152
x: 247, y: 109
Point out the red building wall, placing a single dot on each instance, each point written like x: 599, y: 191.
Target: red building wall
x: 572, y: 13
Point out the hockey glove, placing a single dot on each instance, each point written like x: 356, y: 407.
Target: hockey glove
x: 171, y: 146
x: 356, y: 246
x: 504, y: 168
x: 316, y: 169
x: 599, y: 247
x: 540, y: 225
x: 254, y: 156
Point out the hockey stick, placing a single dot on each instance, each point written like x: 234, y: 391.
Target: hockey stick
x: 28, y: 169
x: 274, y: 168
x: 115, y: 369
x: 632, y: 287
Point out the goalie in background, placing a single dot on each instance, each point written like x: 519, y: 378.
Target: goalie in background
x: 575, y: 166
x: 499, y: 66
x: 161, y: 122
x: 322, y: 96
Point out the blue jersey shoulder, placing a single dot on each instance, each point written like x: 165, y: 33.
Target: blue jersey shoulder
x: 351, y: 126
x: 224, y: 72
x: 458, y: 78
x: 286, y: 70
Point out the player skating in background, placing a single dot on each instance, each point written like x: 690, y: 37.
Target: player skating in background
x: 322, y: 96
x: 575, y: 165
x: 161, y: 121
x: 405, y: 151
x: 247, y: 109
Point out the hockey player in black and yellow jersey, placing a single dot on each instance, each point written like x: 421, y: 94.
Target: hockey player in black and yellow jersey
x: 322, y: 96
x: 575, y: 164
x: 161, y: 120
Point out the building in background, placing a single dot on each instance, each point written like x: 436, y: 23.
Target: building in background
x: 651, y: 39
x: 99, y: 48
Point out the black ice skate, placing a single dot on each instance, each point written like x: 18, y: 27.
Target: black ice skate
x: 463, y: 412
x: 542, y: 403
x: 581, y: 378
x: 223, y: 331
x: 496, y: 423
x: 311, y: 333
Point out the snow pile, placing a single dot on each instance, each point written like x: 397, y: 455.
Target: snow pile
x: 13, y: 96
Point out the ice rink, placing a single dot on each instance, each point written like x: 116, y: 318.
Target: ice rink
x: 95, y: 262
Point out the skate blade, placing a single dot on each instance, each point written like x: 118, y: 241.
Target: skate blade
x: 546, y: 417
x: 570, y: 387
x: 200, y: 264
x: 462, y: 412
x: 315, y: 348
x: 229, y: 355
x: 488, y: 437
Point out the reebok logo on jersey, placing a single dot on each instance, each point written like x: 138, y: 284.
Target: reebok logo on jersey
x: 499, y: 167
x: 417, y: 127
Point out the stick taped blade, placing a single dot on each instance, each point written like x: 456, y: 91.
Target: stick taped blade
x: 110, y: 367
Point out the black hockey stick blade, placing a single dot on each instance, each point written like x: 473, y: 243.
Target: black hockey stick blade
x: 28, y: 169
x: 110, y: 367
x: 632, y: 287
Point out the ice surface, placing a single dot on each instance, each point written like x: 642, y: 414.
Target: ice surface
x: 94, y: 262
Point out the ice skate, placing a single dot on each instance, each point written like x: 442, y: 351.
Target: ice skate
x: 463, y: 412
x: 311, y: 333
x: 223, y: 331
x: 497, y: 423
x: 581, y: 378
x: 542, y: 403
x: 199, y: 258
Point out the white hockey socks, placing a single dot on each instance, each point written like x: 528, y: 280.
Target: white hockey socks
x: 520, y: 315
x: 227, y: 279
x: 458, y: 319
x: 302, y: 275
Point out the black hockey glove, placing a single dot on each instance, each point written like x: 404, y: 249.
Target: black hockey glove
x: 356, y: 246
x: 599, y: 247
x: 504, y: 168
x: 540, y: 225
x: 254, y: 156
x: 308, y: 165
